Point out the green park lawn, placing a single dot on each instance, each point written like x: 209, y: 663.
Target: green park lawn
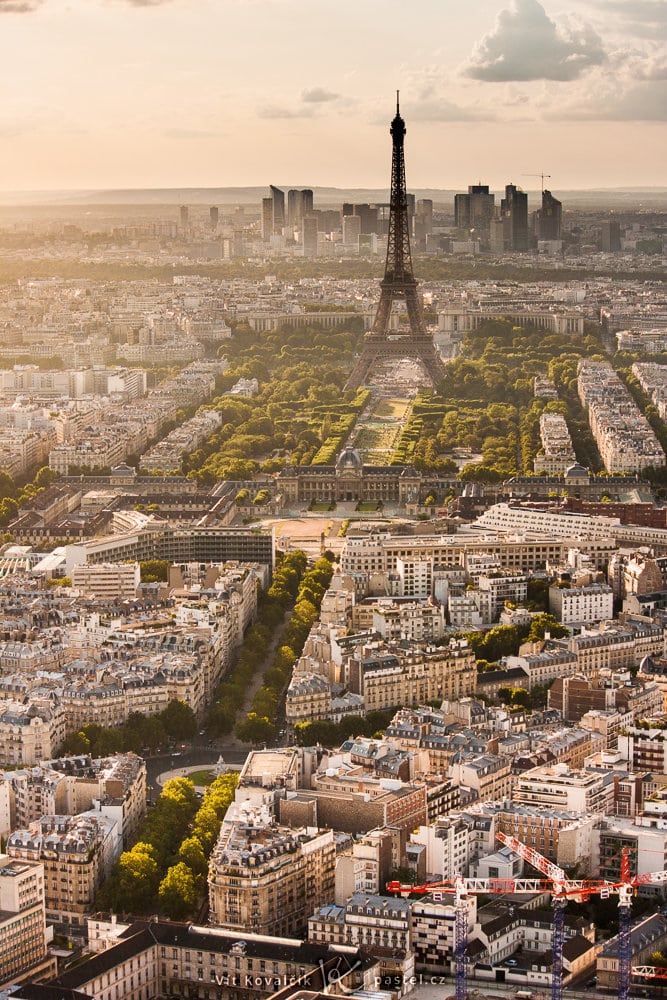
x: 203, y: 777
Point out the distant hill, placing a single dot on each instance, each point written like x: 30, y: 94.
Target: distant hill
x: 602, y: 198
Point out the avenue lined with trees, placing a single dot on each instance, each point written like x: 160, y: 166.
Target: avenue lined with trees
x: 286, y: 612
x: 167, y: 866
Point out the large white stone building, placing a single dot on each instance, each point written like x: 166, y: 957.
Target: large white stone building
x: 585, y: 605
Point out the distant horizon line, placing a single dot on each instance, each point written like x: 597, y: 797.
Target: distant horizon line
x: 312, y: 187
x: 253, y: 192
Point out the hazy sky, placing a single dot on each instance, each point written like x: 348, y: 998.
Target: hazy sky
x: 164, y: 93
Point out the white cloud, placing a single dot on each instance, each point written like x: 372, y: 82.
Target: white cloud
x: 525, y: 44
x: 318, y: 95
x: 640, y: 102
x: 19, y: 6
x: 641, y: 18
x: 280, y: 111
x: 651, y: 67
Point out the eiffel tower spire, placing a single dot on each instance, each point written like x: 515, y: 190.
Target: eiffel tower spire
x: 398, y: 283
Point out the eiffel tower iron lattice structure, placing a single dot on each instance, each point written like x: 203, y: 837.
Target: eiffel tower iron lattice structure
x: 398, y: 283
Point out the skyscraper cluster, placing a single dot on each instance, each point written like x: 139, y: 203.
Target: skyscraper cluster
x: 506, y: 227
x: 275, y: 220
x: 360, y: 224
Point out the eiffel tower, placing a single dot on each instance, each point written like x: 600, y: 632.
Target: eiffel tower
x: 398, y: 283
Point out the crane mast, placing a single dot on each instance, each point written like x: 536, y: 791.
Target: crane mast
x: 460, y: 939
x: 560, y: 884
x: 565, y: 889
x: 625, y: 894
x: 555, y: 881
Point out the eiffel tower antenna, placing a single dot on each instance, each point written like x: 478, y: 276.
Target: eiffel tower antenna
x: 398, y: 283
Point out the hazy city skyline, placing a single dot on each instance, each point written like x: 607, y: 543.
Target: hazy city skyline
x: 164, y: 93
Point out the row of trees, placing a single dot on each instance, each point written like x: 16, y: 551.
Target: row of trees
x: 332, y: 734
x: 169, y: 861
x: 175, y: 722
x: 231, y: 694
x: 13, y: 496
x: 259, y: 724
x: 337, y: 431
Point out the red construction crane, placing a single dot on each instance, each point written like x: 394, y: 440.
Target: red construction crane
x: 460, y: 888
x: 457, y: 891
x: 565, y: 889
x: 561, y: 888
x: 626, y: 888
x: 649, y: 971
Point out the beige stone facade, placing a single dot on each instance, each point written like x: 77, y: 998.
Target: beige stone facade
x: 270, y: 877
x: 385, y: 677
x: 349, y: 480
x: 29, y: 733
x: 77, y: 853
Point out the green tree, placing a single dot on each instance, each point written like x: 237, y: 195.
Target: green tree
x: 9, y: 510
x: 499, y: 641
x: 284, y: 658
x: 138, y: 878
x: 192, y: 854
x: 221, y: 793
x: 520, y: 696
x: 179, y: 721
x: 472, y: 473
x: 546, y: 623
x: 154, y: 570
x: 505, y: 695
x: 167, y: 823
x: 206, y: 826
x: 180, y: 791
x: 178, y: 891
x: 265, y: 702
x: 108, y: 741
x: 7, y: 485
x: 308, y: 734
x: 76, y: 743
x: 44, y: 476
x: 538, y: 595
x: 255, y: 729
x: 142, y: 731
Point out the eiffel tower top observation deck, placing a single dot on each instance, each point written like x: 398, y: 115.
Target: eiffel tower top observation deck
x: 398, y: 283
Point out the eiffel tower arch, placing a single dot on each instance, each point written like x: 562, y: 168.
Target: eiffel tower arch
x: 398, y: 283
